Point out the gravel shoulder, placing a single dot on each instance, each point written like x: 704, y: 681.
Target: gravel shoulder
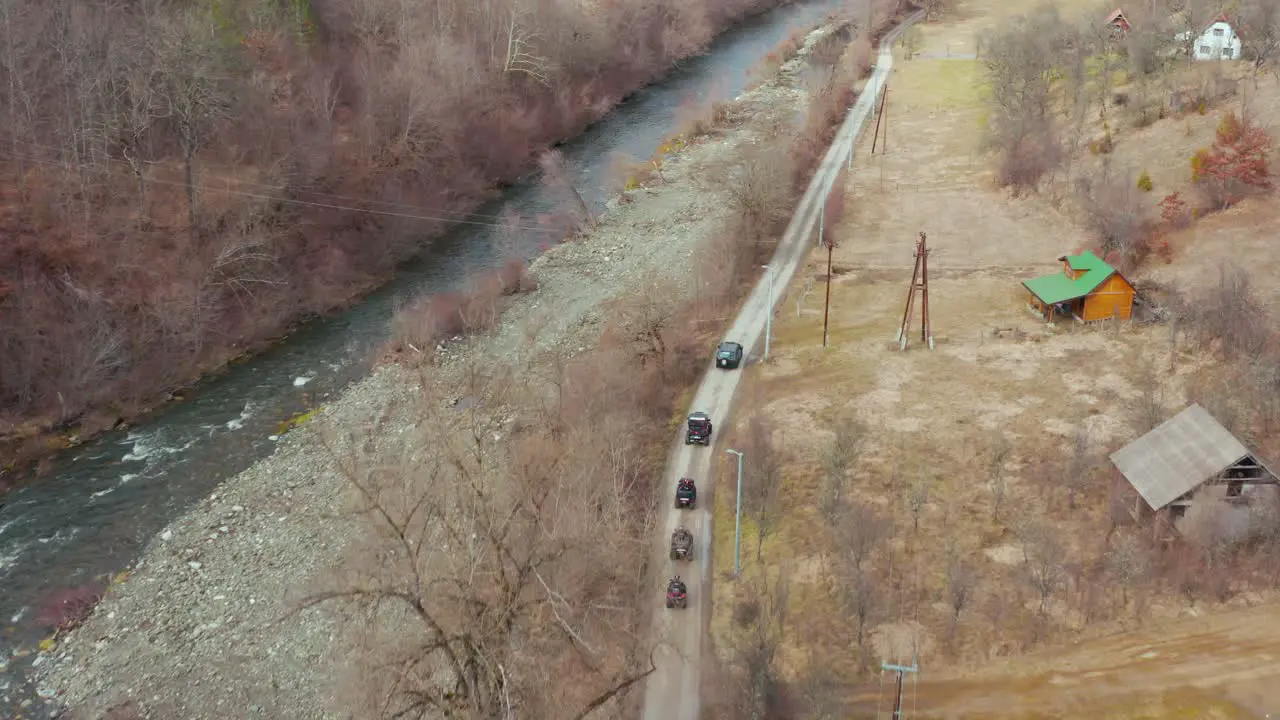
x: 201, y: 626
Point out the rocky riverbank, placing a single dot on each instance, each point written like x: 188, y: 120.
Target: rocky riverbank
x: 201, y: 628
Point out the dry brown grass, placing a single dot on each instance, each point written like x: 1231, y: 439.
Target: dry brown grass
x: 1055, y: 559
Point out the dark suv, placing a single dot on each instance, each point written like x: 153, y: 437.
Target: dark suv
x: 729, y: 355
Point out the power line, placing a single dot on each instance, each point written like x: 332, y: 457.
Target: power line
x: 268, y: 186
x: 462, y: 219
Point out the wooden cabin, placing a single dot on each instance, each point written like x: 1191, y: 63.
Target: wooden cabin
x: 1087, y: 289
x: 1191, y: 462
x: 1118, y: 23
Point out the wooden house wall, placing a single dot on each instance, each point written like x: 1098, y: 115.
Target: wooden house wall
x: 1114, y: 298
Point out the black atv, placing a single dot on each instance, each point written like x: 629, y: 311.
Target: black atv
x: 729, y: 355
x: 686, y: 494
x: 681, y: 544
x: 699, y: 430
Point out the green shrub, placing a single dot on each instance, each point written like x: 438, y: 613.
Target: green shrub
x: 1144, y: 182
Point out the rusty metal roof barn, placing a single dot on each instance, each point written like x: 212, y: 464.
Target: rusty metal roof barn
x: 1176, y: 457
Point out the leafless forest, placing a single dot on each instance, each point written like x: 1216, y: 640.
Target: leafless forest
x: 176, y: 179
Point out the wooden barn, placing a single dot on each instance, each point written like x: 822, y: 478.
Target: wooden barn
x: 1191, y: 458
x: 1087, y: 289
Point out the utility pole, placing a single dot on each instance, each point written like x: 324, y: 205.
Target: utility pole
x: 898, y: 671
x: 826, y: 308
x: 822, y: 216
x: 879, y: 115
x: 768, y: 318
x: 920, y: 284
x: 737, y: 521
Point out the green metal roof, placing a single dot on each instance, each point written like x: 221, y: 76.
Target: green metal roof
x: 1058, y: 287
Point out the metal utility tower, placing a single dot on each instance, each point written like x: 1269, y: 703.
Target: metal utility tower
x: 919, y: 283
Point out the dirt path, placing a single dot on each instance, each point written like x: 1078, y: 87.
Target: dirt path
x: 1218, y: 666
x: 674, y: 690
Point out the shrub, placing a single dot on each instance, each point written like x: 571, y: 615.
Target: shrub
x: 1237, y: 160
x: 1198, y: 161
x: 1173, y: 211
x: 1144, y: 182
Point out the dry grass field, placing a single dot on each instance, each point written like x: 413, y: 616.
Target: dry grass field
x: 981, y: 467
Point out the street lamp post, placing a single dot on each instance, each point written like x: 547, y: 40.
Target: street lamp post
x: 737, y: 520
x: 768, y: 318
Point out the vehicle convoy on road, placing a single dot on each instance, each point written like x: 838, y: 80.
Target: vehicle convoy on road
x: 681, y: 544
x: 674, y: 690
x: 677, y: 594
x: 686, y: 494
x: 699, y: 429
x: 729, y: 355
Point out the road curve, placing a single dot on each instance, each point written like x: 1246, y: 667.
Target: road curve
x: 673, y: 691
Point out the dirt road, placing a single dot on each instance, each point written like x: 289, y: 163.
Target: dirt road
x: 1219, y: 667
x: 673, y: 691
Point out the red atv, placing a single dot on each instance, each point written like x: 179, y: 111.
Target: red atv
x: 677, y: 594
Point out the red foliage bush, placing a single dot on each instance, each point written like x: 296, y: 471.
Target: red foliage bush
x: 1173, y: 211
x: 1236, y: 161
x: 424, y: 322
x: 68, y: 607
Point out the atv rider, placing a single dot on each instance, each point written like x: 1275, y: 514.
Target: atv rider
x: 676, y: 586
x: 686, y: 492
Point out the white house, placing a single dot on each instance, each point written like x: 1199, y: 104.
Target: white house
x: 1219, y: 41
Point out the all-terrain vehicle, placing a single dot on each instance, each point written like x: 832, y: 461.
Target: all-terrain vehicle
x: 686, y: 494
x: 681, y: 544
x: 699, y: 429
x: 677, y: 594
x: 729, y: 355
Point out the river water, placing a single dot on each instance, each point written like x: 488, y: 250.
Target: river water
x: 103, y: 501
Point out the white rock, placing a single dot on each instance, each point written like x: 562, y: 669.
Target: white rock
x: 167, y: 535
x: 194, y: 565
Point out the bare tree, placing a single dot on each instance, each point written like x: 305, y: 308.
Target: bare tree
x: 521, y: 56
x: 555, y: 174
x: 196, y: 89
x: 495, y: 562
x: 1192, y: 16
x: 1129, y: 563
x: 762, y: 613
x: 1043, y: 557
x: 822, y: 690
x: 1114, y: 210
x: 646, y: 320
x: 1148, y: 409
x: 759, y: 191
x: 838, y: 457
x: 763, y: 478
x: 1228, y: 315
x: 857, y: 536
x: 1077, y: 470
x: 1020, y: 61
x: 917, y: 501
x: 961, y: 579
x: 1260, y: 31
x: 861, y: 530
x: 997, y: 456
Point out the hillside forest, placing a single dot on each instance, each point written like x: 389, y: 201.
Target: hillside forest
x: 177, y: 178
